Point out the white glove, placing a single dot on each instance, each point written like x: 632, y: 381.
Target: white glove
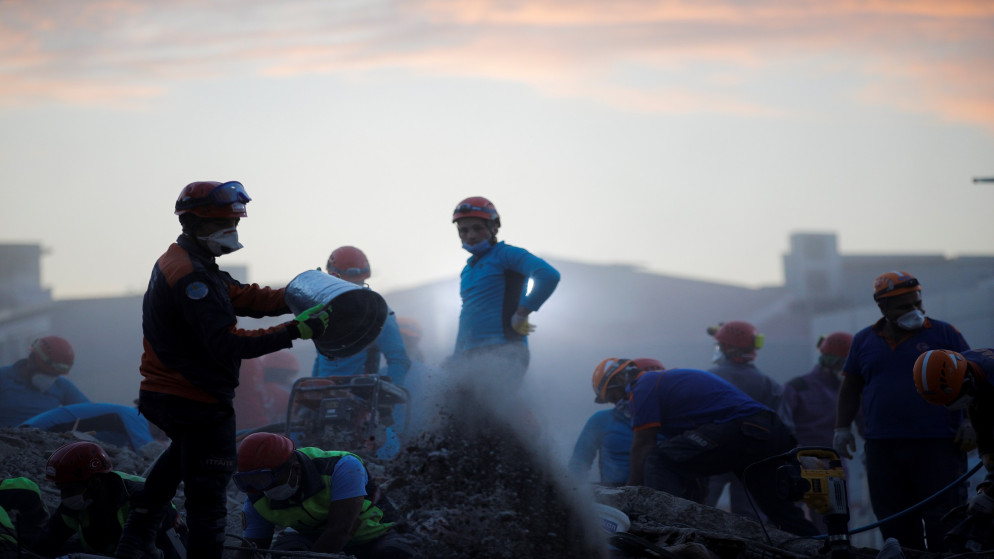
x: 521, y: 325
x: 844, y: 442
x: 981, y: 503
x: 966, y: 437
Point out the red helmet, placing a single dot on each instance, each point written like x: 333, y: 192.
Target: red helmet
x: 349, y: 263
x: 264, y: 450
x: 410, y: 328
x: 894, y: 283
x: 836, y: 344
x: 77, y: 461
x: 282, y: 360
x: 476, y: 206
x: 52, y: 354
x: 213, y: 199
x: 610, y: 373
x: 649, y: 364
x: 939, y: 375
x: 737, y: 334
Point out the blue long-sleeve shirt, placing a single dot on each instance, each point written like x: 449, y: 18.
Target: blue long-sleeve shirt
x: 389, y: 343
x: 20, y: 400
x: 492, y: 286
x: 607, y: 436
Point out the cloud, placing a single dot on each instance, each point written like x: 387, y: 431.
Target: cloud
x: 661, y: 56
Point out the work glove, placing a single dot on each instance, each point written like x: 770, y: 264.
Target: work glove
x: 521, y: 325
x: 966, y: 437
x: 981, y: 503
x: 311, y: 323
x: 844, y: 442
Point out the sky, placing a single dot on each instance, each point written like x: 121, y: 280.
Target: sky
x: 689, y: 138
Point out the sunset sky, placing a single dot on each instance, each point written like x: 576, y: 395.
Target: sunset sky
x: 688, y: 137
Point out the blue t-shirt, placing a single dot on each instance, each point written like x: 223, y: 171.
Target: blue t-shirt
x: 607, y: 435
x: 892, y: 407
x: 112, y: 423
x: 20, y: 400
x: 389, y: 343
x: 492, y: 286
x: 348, y: 480
x: 681, y: 399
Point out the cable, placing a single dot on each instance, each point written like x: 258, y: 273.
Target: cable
x: 924, y: 502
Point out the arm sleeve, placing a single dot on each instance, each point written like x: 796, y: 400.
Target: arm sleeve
x: 585, y: 450
x: 544, y: 277
x: 256, y: 527
x: 349, y: 479
x: 392, y: 347
x: 71, y: 394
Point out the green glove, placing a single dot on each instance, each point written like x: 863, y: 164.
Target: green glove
x: 312, y: 323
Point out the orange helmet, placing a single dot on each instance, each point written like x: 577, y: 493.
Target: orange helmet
x: 282, y: 359
x: 894, y: 283
x: 77, y: 461
x: 348, y: 263
x: 213, y: 199
x: 610, y: 373
x: 52, y: 354
x: 264, y: 451
x: 939, y: 375
x: 836, y: 344
x: 476, y: 206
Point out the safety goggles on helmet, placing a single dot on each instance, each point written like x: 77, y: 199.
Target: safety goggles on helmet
x: 466, y: 210
x: 257, y: 481
x: 352, y: 271
x: 891, y: 287
x: 231, y: 192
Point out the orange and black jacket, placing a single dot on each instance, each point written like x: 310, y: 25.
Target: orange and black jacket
x: 193, y: 347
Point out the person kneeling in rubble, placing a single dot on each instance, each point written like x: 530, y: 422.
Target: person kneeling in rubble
x: 325, y: 498
x: 710, y: 428
x: 95, y: 503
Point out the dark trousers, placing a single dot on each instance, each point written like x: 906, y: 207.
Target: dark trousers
x: 679, y: 463
x: 903, y: 472
x: 202, y: 455
x: 497, y: 366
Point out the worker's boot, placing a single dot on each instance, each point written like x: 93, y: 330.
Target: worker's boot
x: 139, y: 534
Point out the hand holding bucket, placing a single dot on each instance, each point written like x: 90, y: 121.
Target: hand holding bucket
x: 357, y: 313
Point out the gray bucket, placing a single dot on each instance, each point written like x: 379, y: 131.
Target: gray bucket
x: 357, y: 313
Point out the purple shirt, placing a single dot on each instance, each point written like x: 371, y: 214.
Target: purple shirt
x: 813, y: 399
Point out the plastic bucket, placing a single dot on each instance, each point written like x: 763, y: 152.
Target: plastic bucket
x: 612, y: 520
x: 357, y: 313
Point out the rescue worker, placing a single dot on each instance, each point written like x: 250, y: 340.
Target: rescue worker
x: 350, y: 264
x: 965, y: 381
x: 811, y: 397
x: 607, y: 435
x: 710, y: 428
x: 114, y: 424
x: 912, y: 449
x: 492, y: 341
x: 279, y: 370
x: 37, y: 383
x: 193, y: 348
x: 736, y: 345
x: 326, y: 497
x: 25, y: 512
x: 95, y: 500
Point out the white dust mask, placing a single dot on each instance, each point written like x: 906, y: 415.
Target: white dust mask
x: 960, y: 403
x: 42, y: 382
x: 911, y: 320
x: 221, y: 242
x: 77, y: 502
x: 281, y: 492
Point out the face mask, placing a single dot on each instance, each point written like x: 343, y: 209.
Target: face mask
x: 282, y: 492
x: 718, y: 356
x: 479, y: 248
x: 42, y: 382
x: 911, y: 320
x: 221, y: 242
x: 77, y: 502
x: 960, y: 403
